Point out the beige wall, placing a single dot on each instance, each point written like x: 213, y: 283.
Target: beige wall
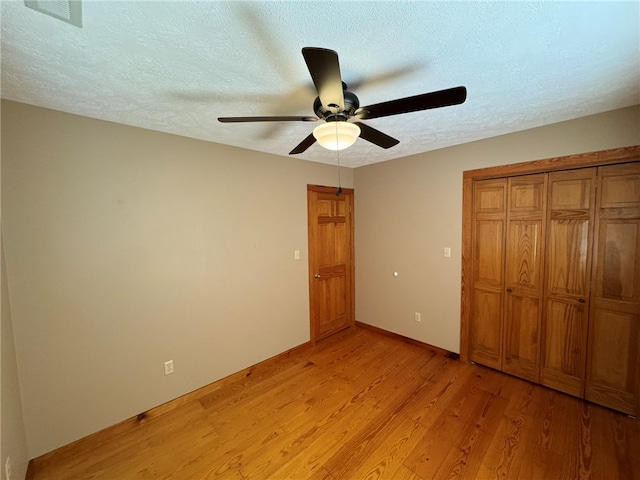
x: 13, y: 442
x: 408, y: 210
x: 127, y: 247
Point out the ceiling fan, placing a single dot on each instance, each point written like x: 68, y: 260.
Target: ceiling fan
x: 336, y: 105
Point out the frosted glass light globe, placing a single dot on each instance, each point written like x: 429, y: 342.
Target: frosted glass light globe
x: 336, y: 135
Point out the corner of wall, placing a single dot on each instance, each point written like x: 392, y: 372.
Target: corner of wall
x: 13, y: 443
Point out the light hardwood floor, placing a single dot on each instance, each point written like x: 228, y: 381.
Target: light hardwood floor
x: 360, y: 405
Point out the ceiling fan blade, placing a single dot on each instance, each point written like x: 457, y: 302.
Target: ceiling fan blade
x: 441, y: 98
x: 376, y: 137
x: 380, y: 79
x: 303, y: 145
x: 324, y: 68
x: 266, y: 119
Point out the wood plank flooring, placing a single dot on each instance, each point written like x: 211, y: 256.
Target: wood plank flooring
x: 360, y: 405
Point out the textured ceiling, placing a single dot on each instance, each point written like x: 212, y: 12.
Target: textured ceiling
x: 176, y: 66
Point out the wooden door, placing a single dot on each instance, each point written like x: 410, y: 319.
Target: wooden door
x: 570, y: 212
x: 524, y: 265
x: 331, y: 260
x: 485, y: 328
x: 613, y: 369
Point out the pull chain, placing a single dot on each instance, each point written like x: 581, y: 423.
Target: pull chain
x: 339, y: 191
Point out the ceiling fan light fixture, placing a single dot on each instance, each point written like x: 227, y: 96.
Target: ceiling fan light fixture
x: 336, y: 135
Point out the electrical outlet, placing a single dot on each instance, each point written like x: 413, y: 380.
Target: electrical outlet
x: 7, y: 468
x: 168, y: 367
x: 417, y: 317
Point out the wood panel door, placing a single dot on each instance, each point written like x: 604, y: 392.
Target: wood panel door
x: 331, y: 260
x: 524, y: 266
x: 613, y: 369
x: 570, y: 213
x: 485, y: 329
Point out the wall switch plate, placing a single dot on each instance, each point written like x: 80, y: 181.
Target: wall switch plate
x: 168, y: 367
x: 7, y: 468
x: 447, y: 252
x: 417, y: 317
x: 296, y: 254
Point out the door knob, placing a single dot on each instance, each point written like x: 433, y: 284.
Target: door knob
x: 317, y: 275
x: 581, y: 300
x: 509, y: 290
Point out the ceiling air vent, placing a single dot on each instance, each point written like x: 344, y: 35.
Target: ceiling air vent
x: 69, y: 11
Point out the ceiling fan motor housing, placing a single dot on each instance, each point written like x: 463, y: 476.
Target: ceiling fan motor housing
x: 351, y: 104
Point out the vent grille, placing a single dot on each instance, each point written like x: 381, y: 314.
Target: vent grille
x: 69, y: 11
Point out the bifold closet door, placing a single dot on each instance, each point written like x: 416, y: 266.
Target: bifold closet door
x: 570, y: 215
x: 485, y: 327
x: 524, y: 264
x: 613, y: 372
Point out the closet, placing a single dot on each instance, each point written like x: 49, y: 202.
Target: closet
x: 551, y: 274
